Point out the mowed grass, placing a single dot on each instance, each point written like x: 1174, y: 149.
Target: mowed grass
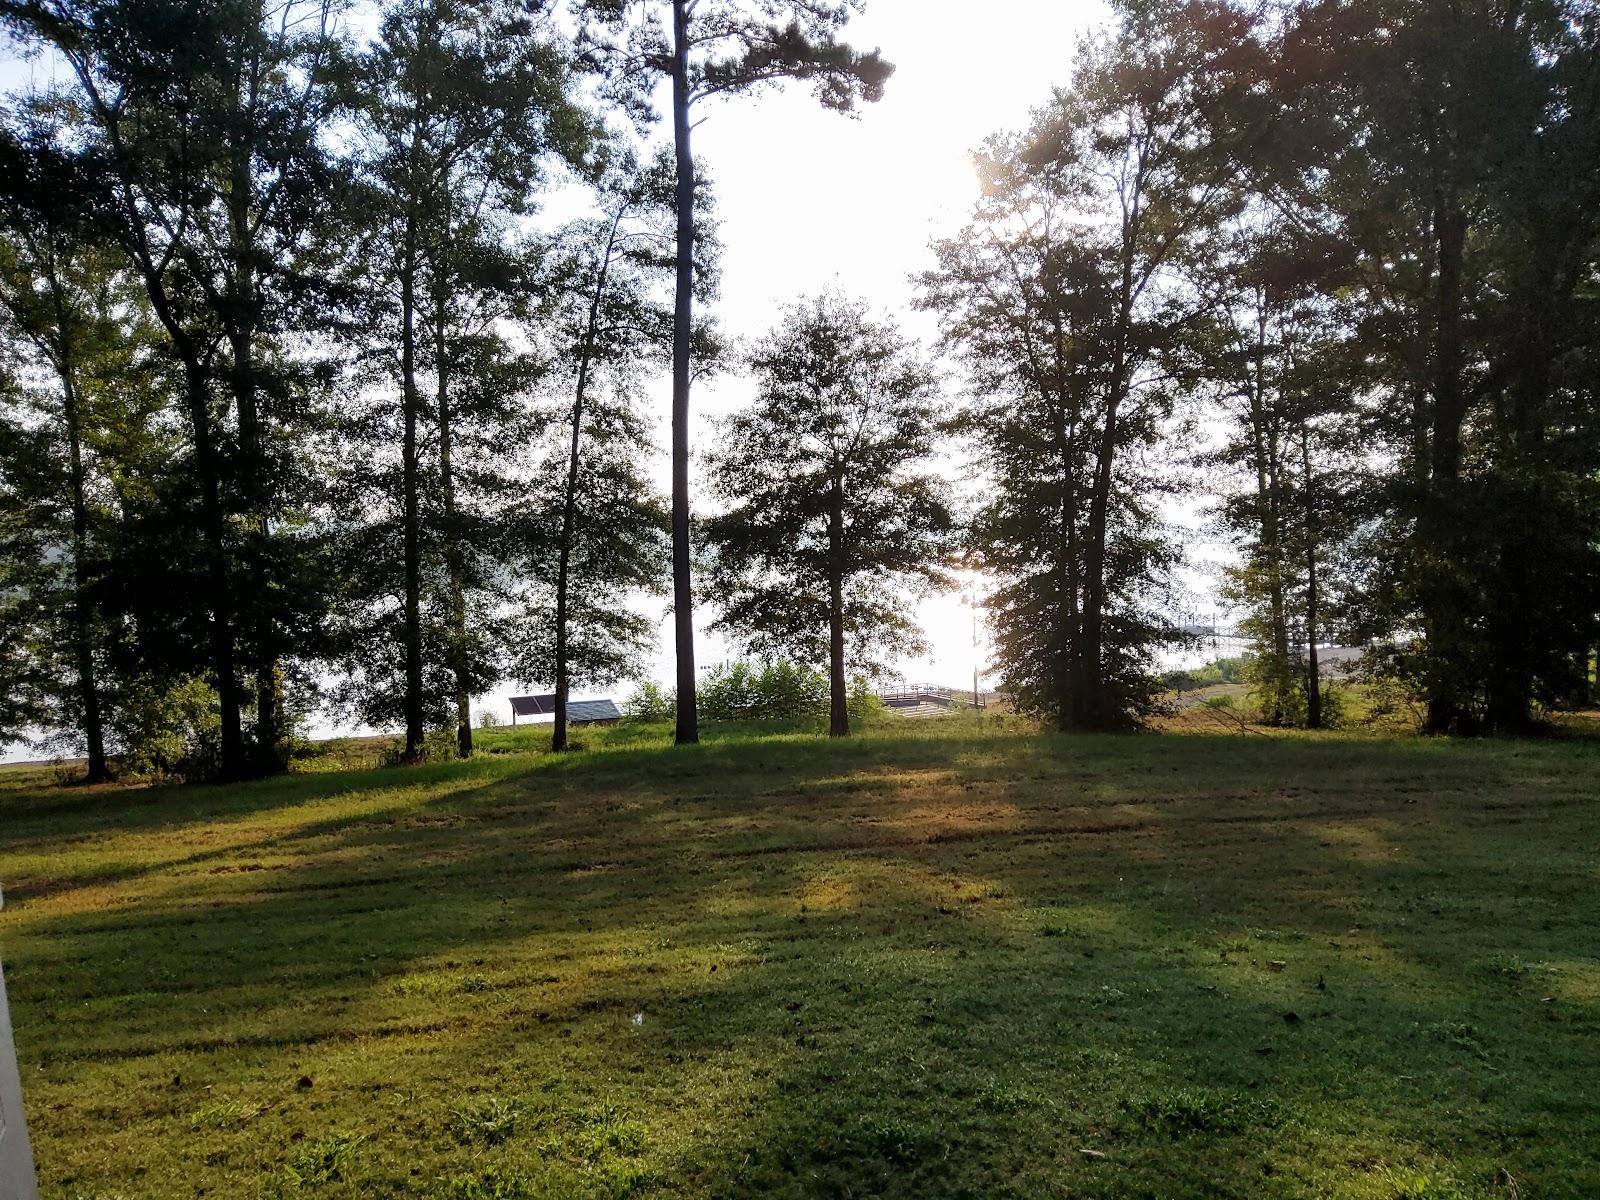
x: 953, y: 958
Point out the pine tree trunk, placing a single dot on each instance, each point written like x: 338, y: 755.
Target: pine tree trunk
x: 412, y: 500
x: 242, y: 326
x: 688, y: 729
x: 1313, y: 668
x: 232, y: 765
x: 569, y: 504
x: 1444, y: 621
x: 453, y: 550
x: 1094, y: 706
x: 1268, y: 499
x: 83, y: 616
x: 838, y: 701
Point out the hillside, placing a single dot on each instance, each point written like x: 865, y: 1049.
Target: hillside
x: 947, y: 958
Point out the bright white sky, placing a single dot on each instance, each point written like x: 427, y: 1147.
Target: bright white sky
x: 809, y: 199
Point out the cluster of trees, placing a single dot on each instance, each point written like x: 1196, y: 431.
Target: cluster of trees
x: 302, y: 379
x: 1344, y: 256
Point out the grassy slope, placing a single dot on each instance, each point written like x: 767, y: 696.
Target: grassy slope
x: 944, y: 960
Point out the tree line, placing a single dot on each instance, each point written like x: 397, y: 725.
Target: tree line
x: 303, y: 379
x: 1334, y: 264
x: 297, y: 381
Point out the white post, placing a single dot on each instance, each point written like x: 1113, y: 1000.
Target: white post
x: 16, y: 1158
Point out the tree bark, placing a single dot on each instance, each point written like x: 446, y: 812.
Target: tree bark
x: 688, y: 727
x: 1268, y: 498
x: 1444, y: 622
x: 242, y: 325
x: 452, y: 540
x: 569, y: 506
x: 838, y: 703
x: 1313, y: 675
x: 1094, y: 709
x: 83, y: 615
x: 1058, y: 393
x: 232, y: 765
x: 411, y: 500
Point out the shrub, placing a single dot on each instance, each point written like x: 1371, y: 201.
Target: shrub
x: 438, y: 745
x: 168, y: 729
x: 776, y: 691
x: 865, y: 705
x: 651, y: 702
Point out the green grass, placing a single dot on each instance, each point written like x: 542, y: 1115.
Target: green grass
x: 945, y: 959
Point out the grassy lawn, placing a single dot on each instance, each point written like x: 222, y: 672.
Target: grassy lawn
x: 943, y: 959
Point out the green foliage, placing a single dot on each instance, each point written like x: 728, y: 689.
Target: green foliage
x: 167, y: 730
x: 864, y: 705
x: 772, y: 691
x: 832, y: 512
x: 1217, y: 671
x: 651, y: 702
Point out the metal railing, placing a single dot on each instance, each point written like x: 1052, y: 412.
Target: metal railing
x: 930, y: 693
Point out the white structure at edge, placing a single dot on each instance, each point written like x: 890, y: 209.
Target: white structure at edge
x: 16, y: 1158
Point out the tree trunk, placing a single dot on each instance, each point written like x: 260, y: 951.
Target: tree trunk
x: 1094, y: 707
x: 452, y: 538
x: 1444, y: 621
x: 688, y: 729
x: 838, y: 702
x: 241, y: 340
x: 213, y: 520
x: 1264, y: 436
x: 232, y: 765
x: 243, y: 320
x: 569, y: 505
x: 1067, y: 615
x: 83, y: 616
x: 1313, y: 676
x: 412, y: 500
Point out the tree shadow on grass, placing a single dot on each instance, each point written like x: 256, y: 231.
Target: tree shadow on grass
x: 922, y: 966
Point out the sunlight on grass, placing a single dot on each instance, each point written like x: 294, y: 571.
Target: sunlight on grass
x: 966, y: 961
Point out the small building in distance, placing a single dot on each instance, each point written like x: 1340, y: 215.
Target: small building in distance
x: 579, y: 712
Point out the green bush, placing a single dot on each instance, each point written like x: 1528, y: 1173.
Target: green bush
x: 865, y: 705
x: 651, y: 702
x: 773, y: 691
x: 168, y: 730
x: 776, y: 691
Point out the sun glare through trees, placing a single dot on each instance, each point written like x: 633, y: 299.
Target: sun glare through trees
x: 866, y: 453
